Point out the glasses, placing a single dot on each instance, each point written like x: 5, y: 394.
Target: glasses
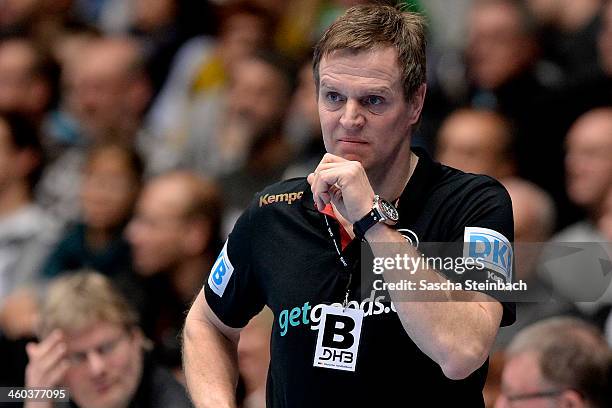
x: 104, y: 350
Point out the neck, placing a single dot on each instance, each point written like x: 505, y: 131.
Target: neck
x: 97, y: 238
x: 187, y: 277
x: 13, y: 198
x: 389, y: 184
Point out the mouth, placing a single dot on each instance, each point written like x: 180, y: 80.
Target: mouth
x: 353, y: 141
x: 103, y: 387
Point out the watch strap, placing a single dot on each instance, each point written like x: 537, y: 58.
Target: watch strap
x: 365, y: 223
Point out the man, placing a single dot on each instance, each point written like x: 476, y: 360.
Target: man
x: 27, y: 76
x: 107, y: 92
x: 502, y: 68
x: 477, y: 141
x: 558, y: 362
x: 588, y: 168
x: 369, y: 69
x: 175, y: 236
x: 91, y: 344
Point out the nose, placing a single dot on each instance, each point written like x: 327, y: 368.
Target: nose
x: 95, y: 364
x: 352, y: 117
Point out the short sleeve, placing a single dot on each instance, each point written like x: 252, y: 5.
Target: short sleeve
x: 485, y: 230
x: 232, y: 290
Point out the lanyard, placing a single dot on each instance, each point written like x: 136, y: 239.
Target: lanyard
x: 342, y: 260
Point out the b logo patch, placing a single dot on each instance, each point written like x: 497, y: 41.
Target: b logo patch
x: 220, y: 273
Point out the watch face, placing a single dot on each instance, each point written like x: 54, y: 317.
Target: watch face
x: 389, y: 210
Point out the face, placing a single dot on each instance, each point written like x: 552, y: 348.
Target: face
x: 256, y: 95
x: 16, y: 76
x: 497, y: 48
x: 241, y: 35
x: 109, y: 190
x: 588, y: 162
x: 97, y: 85
x: 522, y: 376
x: 105, y: 366
x: 157, y: 230
x: 364, y: 115
x: 474, y: 143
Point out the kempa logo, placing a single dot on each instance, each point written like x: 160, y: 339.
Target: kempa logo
x: 289, y: 198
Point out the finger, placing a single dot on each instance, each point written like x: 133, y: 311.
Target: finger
x: 320, y: 188
x: 48, y: 361
x: 49, y: 342
x: 331, y: 165
x: 54, y: 376
x: 331, y: 158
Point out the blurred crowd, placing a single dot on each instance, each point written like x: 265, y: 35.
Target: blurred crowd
x: 134, y: 132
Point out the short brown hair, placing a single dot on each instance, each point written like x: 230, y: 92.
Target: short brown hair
x: 368, y: 27
x: 571, y: 353
x: 76, y: 301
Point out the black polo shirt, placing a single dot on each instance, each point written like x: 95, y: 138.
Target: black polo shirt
x: 280, y: 254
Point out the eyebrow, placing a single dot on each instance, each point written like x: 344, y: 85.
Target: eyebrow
x: 368, y: 91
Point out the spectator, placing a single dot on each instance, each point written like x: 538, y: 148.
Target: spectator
x: 174, y: 237
x: 109, y: 190
x: 249, y: 144
x: 504, y: 74
x: 589, y: 171
x: 589, y: 176
x: 194, y: 92
x: 27, y: 79
x: 479, y: 142
x: 107, y: 93
x: 534, y: 221
x: 302, y: 125
x: 90, y: 343
x: 561, y: 362
x: 569, y: 34
x: 27, y: 234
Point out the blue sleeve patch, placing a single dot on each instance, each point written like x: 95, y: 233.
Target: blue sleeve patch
x: 220, y: 273
x: 491, y: 247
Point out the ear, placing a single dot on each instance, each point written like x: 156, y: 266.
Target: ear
x: 571, y: 399
x: 416, y: 103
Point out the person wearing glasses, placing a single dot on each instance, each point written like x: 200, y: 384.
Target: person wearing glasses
x: 557, y: 362
x: 92, y: 346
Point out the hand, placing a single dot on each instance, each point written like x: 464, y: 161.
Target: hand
x: 343, y: 183
x: 19, y: 314
x: 48, y: 363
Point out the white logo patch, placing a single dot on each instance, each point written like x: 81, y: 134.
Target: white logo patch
x: 491, y: 247
x: 221, y: 272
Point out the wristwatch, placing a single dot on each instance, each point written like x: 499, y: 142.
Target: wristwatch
x: 382, y: 211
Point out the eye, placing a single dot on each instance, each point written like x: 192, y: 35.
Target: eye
x: 333, y: 97
x: 373, y: 100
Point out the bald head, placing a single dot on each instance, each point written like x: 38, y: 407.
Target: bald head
x: 107, y: 87
x: 588, y: 162
x: 477, y: 142
x: 533, y: 210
